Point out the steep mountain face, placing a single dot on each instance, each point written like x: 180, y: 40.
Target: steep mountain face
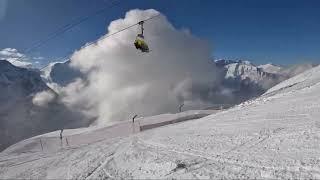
x: 19, y: 116
x: 15, y: 81
x: 246, y: 80
x: 245, y: 70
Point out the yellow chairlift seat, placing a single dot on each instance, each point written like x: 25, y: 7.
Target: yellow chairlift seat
x: 140, y: 44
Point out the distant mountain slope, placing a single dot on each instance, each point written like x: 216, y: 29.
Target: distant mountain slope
x: 19, y: 116
x: 245, y: 80
x: 19, y: 81
x: 245, y: 70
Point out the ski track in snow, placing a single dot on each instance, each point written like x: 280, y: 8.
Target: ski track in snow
x: 274, y: 136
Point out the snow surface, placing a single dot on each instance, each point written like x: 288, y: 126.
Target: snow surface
x: 304, y: 80
x: 274, y: 136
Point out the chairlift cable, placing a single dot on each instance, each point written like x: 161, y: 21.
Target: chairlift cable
x: 66, y: 28
x: 109, y: 35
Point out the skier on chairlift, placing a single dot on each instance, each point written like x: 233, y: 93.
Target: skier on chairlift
x: 140, y: 43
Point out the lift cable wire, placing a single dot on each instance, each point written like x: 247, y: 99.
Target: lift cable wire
x: 68, y: 27
x: 109, y: 35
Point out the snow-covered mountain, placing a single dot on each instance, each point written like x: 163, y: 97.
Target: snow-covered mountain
x: 19, y: 81
x: 265, y: 76
x: 275, y: 136
x: 245, y: 80
x: 246, y: 71
x: 20, y: 115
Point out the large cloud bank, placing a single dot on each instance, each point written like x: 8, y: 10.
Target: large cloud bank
x: 120, y: 81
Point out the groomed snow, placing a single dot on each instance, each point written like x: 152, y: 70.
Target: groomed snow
x: 274, y: 136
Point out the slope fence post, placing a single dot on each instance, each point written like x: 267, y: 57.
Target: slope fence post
x: 67, y: 142
x: 41, y: 145
x: 61, y: 143
x: 133, y: 126
x: 180, y: 107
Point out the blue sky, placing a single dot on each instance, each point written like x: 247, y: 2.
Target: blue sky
x: 277, y: 31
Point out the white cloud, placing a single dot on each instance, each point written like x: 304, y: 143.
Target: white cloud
x: 14, y: 57
x: 120, y: 81
x: 43, y: 98
x: 11, y: 52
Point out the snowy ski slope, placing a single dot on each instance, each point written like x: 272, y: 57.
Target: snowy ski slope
x: 77, y: 137
x: 274, y: 136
